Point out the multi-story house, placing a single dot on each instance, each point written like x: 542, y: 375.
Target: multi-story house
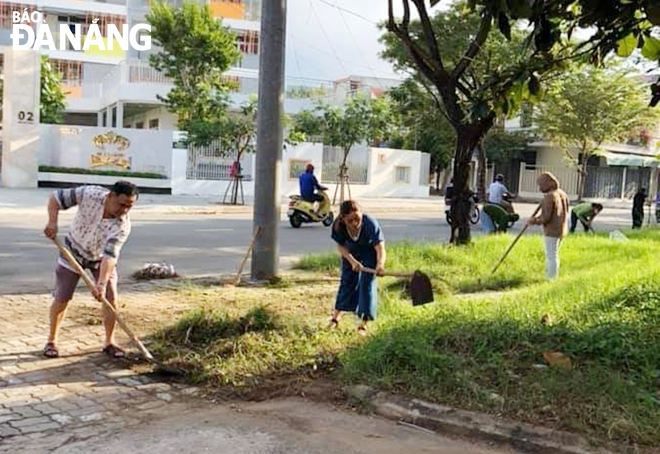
x: 118, y: 88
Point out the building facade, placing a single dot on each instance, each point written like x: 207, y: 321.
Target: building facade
x: 119, y: 88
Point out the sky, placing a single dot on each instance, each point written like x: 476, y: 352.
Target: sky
x: 325, y: 42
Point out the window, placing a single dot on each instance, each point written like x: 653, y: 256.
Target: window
x: 402, y: 174
x: 529, y: 158
x: 139, y: 125
x: 6, y: 9
x: 71, y: 70
x: 296, y: 167
x: 153, y: 123
x: 248, y: 42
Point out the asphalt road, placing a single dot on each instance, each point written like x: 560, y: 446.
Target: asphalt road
x: 203, y: 243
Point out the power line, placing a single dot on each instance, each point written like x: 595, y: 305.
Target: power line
x: 357, y: 45
x: 327, y: 38
x: 353, y: 13
x: 324, y: 52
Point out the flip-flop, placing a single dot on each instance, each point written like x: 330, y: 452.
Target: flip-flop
x: 50, y: 350
x: 113, y: 351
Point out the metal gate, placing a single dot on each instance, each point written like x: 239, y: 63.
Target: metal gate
x: 604, y: 182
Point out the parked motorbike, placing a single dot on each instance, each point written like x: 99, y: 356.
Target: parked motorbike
x: 474, y: 210
x: 301, y: 211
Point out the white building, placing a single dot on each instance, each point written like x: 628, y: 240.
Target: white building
x: 118, y: 88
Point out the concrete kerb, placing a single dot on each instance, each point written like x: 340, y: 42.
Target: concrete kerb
x: 446, y: 420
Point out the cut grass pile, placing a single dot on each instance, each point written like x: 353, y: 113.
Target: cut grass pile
x: 474, y: 348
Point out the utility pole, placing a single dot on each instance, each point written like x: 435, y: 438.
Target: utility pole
x: 267, y: 200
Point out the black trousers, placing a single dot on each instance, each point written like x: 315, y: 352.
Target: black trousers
x: 574, y: 221
x: 638, y: 217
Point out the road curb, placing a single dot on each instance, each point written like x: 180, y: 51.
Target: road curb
x: 446, y: 420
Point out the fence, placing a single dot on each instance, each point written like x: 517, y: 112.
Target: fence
x: 357, y: 163
x: 209, y: 163
x: 568, y: 179
x: 601, y: 183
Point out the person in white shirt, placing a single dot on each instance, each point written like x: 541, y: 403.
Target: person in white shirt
x: 496, y: 192
x: 99, y: 230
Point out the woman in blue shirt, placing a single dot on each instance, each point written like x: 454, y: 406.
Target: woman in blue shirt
x: 361, y: 244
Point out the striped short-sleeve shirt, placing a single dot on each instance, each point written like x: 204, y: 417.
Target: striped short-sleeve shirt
x: 91, y: 237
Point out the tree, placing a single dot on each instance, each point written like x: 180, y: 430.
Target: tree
x: 360, y: 120
x: 52, y: 97
x: 586, y: 109
x: 195, y: 50
x: 456, y: 55
x: 238, y: 134
x: 421, y: 127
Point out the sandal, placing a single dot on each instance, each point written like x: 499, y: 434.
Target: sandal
x: 334, y: 323
x: 50, y: 350
x: 362, y: 330
x: 113, y: 351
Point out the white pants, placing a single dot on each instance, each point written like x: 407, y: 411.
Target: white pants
x: 552, y: 245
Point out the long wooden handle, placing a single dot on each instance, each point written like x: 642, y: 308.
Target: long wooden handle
x: 237, y: 279
x: 504, y: 256
x: 72, y: 260
x: 387, y: 273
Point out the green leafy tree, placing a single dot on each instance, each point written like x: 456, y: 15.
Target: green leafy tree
x: 52, y: 97
x: 195, y: 51
x: 586, y: 109
x: 360, y: 120
x: 620, y: 26
x: 421, y: 127
x: 458, y: 56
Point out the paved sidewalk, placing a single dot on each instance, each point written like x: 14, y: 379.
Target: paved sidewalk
x: 85, y: 403
x: 45, y: 403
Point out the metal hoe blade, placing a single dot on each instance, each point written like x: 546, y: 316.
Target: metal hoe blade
x: 421, y: 290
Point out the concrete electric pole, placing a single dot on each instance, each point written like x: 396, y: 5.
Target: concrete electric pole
x: 267, y: 199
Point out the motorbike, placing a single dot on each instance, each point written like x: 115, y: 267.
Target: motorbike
x: 301, y: 211
x: 474, y: 210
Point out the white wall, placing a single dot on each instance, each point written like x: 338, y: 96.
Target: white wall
x: 166, y: 119
x: 71, y: 146
x: 311, y: 153
x: 381, y: 183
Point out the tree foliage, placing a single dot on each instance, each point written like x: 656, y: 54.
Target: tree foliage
x: 52, y: 97
x: 420, y: 124
x: 195, y: 51
x: 586, y: 109
x: 457, y: 55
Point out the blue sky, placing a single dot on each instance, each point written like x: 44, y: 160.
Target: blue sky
x: 326, y: 43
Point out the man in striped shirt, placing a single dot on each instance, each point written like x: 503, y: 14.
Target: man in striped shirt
x: 99, y: 230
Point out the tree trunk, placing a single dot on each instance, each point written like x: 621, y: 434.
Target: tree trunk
x: 582, y: 180
x: 466, y: 142
x: 437, y: 178
x: 481, y: 172
x: 343, y: 177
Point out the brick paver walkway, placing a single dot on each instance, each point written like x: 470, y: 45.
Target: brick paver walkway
x: 47, y: 403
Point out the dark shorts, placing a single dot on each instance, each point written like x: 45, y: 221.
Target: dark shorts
x: 66, y: 281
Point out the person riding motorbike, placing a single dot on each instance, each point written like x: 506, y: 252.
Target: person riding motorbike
x: 308, y: 185
x: 498, y: 194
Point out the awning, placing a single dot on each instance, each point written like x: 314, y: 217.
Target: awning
x: 630, y: 160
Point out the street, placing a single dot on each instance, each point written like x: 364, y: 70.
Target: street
x: 199, y: 239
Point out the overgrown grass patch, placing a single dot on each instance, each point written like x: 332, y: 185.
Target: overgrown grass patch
x: 480, y: 346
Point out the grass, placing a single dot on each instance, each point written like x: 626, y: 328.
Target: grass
x: 110, y: 173
x: 474, y: 348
